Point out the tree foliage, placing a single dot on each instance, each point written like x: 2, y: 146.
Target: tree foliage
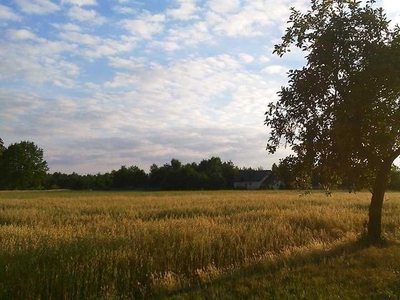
x: 286, y: 171
x: 2, y: 148
x: 394, y: 178
x: 340, y: 113
x: 23, y: 166
x: 129, y: 178
x: 212, y: 174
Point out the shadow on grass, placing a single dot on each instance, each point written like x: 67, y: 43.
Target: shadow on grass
x: 345, y: 271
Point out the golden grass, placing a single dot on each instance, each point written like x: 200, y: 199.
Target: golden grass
x: 109, y: 245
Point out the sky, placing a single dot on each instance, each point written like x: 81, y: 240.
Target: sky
x: 98, y: 84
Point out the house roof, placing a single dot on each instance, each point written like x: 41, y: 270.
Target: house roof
x: 252, y: 176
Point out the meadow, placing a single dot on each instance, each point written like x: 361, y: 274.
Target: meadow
x: 195, y: 245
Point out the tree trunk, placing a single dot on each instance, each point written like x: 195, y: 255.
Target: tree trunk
x: 375, y: 208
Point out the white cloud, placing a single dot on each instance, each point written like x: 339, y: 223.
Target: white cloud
x: 190, y: 35
x: 68, y: 27
x: 113, y: 47
x: 249, y: 18
x: 80, y: 38
x: 247, y: 58
x: 92, y: 46
x: 39, y: 7
x: 124, y: 10
x: 15, y: 103
x: 7, y: 14
x: 110, y: 47
x: 165, y: 45
x: 84, y: 15
x: 22, y: 34
x: 146, y: 26
x: 264, y: 59
x: 224, y: 6
x: 275, y: 69
x: 214, y: 98
x: 80, y: 2
x: 132, y: 64
x: 171, y: 83
x: 36, y: 60
x: 186, y: 11
x: 69, y: 68
x: 249, y: 22
x: 192, y: 79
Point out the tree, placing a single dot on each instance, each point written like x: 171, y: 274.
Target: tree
x: 192, y: 180
x: 213, y: 169
x: 172, y: 176
x: 230, y: 172
x: 340, y: 113
x: 2, y: 148
x: 156, y: 176
x: 287, y: 171
x: 23, y: 166
x: 129, y: 178
x: 2, y: 178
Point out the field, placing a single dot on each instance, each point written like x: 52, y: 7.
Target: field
x: 195, y: 245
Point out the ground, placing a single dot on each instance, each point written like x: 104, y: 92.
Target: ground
x: 185, y: 245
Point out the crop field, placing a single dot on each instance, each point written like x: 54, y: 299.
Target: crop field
x: 233, y: 244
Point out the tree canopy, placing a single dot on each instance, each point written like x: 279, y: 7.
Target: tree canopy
x: 2, y: 148
x: 340, y: 113
x: 22, y: 166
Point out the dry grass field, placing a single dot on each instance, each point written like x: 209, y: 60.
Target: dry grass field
x: 233, y: 244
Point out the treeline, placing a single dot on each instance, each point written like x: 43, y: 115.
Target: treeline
x: 209, y: 174
x: 291, y: 176
x: 22, y: 167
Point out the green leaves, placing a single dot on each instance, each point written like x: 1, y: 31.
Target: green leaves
x: 341, y: 112
x: 22, y: 166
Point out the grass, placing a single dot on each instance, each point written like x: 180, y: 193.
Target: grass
x: 184, y: 245
x: 349, y: 271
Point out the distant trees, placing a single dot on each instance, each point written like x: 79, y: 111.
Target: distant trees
x: 2, y: 148
x: 286, y: 171
x: 22, y: 166
x: 129, y: 178
x: 75, y: 181
x: 211, y: 174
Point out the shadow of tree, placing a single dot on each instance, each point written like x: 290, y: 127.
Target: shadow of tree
x: 350, y: 270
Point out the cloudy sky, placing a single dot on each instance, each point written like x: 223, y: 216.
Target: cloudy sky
x: 102, y: 83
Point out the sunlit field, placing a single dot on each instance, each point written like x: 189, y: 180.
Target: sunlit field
x: 127, y: 245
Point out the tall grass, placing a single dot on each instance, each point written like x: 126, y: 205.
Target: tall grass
x: 92, y: 245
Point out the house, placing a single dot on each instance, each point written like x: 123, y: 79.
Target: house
x: 255, y: 180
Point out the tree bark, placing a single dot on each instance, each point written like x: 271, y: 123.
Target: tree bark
x: 375, y: 208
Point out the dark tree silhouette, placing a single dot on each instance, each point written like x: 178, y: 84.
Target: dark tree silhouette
x: 340, y: 113
x: 129, y: 178
x: 22, y: 166
x: 2, y: 148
